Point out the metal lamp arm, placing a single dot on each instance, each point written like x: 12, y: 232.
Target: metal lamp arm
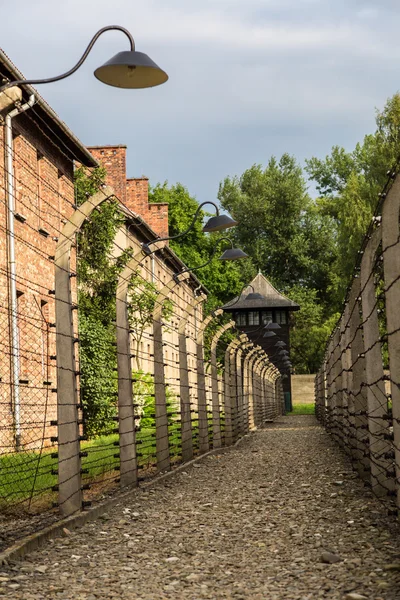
x: 78, y: 64
x: 223, y: 239
x: 179, y: 235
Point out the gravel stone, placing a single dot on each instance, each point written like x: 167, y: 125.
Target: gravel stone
x: 251, y: 523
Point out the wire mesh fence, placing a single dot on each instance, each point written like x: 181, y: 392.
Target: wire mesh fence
x: 358, y: 385
x: 106, y: 377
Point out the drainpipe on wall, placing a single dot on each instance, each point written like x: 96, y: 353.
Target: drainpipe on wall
x: 10, y: 192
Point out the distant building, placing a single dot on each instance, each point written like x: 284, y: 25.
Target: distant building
x: 252, y: 314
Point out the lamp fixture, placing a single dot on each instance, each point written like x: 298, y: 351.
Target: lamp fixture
x: 255, y: 296
x: 269, y: 334
x: 128, y: 69
x: 216, y: 223
x: 230, y: 254
x: 271, y: 325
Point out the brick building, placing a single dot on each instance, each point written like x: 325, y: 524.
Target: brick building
x: 36, y: 200
x: 158, y: 268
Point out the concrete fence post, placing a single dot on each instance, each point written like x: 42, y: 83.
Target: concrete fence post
x: 126, y: 413
x: 201, y: 381
x: 162, y: 440
x: 69, y: 462
x: 230, y: 392
x: 248, y: 387
x: 391, y: 267
x: 378, y: 426
x: 186, y: 413
x: 216, y: 412
x: 240, y: 427
x: 358, y: 391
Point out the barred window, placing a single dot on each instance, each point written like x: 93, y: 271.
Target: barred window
x: 266, y: 316
x: 254, y: 317
x: 280, y: 317
x: 240, y: 318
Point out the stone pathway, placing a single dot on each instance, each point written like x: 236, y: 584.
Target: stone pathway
x: 254, y: 523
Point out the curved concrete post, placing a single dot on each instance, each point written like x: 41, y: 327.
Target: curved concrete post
x: 201, y: 381
x: 336, y: 395
x: 126, y: 413
x: 279, y: 395
x: 216, y: 413
x: 348, y: 403
x: 358, y: 391
x: 186, y: 418
x: 230, y: 392
x: 329, y: 379
x: 266, y: 416
x: 391, y: 267
x: 69, y: 462
x: 271, y: 410
x: 239, y: 424
x: 378, y: 425
x: 162, y: 441
x: 248, y: 386
x: 247, y: 348
x: 258, y: 389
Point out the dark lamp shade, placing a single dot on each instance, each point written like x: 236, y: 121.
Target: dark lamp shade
x: 280, y: 344
x: 255, y: 296
x: 272, y: 326
x: 233, y: 254
x: 269, y: 334
x: 218, y: 223
x: 131, y: 70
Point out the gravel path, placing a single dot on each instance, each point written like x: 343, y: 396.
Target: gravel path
x: 252, y: 523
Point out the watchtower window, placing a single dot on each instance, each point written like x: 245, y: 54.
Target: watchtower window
x: 266, y: 316
x: 254, y: 317
x: 281, y: 317
x: 240, y: 318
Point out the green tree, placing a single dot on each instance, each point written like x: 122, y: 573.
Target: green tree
x: 279, y: 226
x: 309, y: 330
x: 97, y: 273
x: 349, y: 184
x: 98, y: 269
x: 222, y: 279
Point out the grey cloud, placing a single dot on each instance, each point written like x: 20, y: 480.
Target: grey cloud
x: 247, y: 79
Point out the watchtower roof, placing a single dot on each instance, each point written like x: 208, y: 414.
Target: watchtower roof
x: 271, y: 297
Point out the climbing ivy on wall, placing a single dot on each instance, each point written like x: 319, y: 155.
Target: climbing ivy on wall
x: 97, y: 271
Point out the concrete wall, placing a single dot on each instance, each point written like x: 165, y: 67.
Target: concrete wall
x: 303, y: 389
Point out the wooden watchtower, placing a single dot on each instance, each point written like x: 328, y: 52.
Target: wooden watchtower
x: 251, y: 314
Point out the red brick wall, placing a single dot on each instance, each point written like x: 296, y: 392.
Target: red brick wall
x: 113, y: 159
x: 44, y: 195
x: 133, y: 192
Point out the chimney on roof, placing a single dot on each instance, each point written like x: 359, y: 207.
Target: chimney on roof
x: 113, y: 159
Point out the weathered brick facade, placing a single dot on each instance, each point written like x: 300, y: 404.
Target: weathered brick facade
x: 133, y: 192
x: 44, y: 198
x: 45, y: 151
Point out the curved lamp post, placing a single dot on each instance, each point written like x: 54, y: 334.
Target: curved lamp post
x: 229, y: 254
x: 216, y: 223
x: 128, y: 69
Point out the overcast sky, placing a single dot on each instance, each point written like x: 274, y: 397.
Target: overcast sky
x: 248, y: 78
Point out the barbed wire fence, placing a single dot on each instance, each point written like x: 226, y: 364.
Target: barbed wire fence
x: 172, y: 395
x: 357, y: 388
